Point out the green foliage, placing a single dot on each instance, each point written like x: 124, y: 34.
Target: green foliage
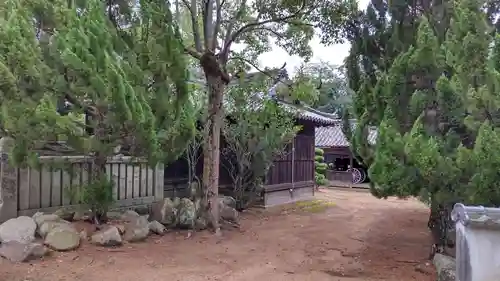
x: 97, y: 195
x: 389, y: 170
x: 301, y: 87
x: 130, y: 83
x: 483, y: 185
x: 209, y: 37
x: 436, y: 105
x: 85, y: 58
x: 256, y: 131
x: 288, y: 24
x: 319, y: 167
x: 314, y: 206
x: 334, y: 96
x: 320, y: 179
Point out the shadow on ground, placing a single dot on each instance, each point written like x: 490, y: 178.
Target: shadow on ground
x: 341, y: 236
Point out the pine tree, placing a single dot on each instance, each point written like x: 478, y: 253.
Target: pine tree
x: 477, y: 78
x: 439, y: 126
x: 403, y: 103
x: 131, y: 84
x: 373, y: 50
x: 24, y: 84
x: 425, y: 125
x: 386, y: 30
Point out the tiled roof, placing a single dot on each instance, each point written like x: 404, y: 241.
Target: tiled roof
x: 476, y: 216
x: 301, y: 112
x: 305, y: 113
x: 333, y: 136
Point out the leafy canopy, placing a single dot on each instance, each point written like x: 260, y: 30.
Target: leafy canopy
x: 215, y: 25
x: 256, y: 132
x: 118, y: 77
x: 445, y: 147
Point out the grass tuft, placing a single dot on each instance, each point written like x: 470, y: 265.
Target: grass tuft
x: 314, y: 206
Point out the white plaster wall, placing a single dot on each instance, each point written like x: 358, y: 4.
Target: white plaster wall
x: 484, y: 251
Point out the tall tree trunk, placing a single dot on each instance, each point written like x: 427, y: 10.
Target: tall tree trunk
x: 217, y: 80
x: 211, y: 148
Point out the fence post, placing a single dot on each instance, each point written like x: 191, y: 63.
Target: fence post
x: 159, y: 182
x: 8, y: 189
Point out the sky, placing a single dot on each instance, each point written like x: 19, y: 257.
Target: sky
x: 335, y: 54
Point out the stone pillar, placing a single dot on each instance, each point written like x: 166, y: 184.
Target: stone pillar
x: 159, y: 182
x: 8, y: 183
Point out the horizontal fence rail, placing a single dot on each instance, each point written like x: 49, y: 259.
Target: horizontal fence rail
x: 343, y: 176
x: 25, y: 191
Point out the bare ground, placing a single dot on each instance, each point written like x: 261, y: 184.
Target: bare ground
x: 359, y: 238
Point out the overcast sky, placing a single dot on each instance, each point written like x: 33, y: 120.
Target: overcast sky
x: 334, y: 54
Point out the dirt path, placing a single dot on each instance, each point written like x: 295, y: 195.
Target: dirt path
x: 360, y: 238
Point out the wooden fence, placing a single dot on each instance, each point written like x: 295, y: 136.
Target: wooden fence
x: 342, y: 176
x: 24, y: 191
x: 295, y: 166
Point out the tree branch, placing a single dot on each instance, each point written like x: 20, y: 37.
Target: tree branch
x: 208, y: 24
x: 218, y: 22
x: 277, y: 34
x: 177, y: 12
x: 259, y: 69
x: 193, y: 11
x: 89, y: 110
x: 194, y: 53
x: 252, y: 25
x: 230, y: 27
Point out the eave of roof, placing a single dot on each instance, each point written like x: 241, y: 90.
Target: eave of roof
x: 308, y: 114
x: 301, y: 112
x: 476, y: 216
x: 333, y: 136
